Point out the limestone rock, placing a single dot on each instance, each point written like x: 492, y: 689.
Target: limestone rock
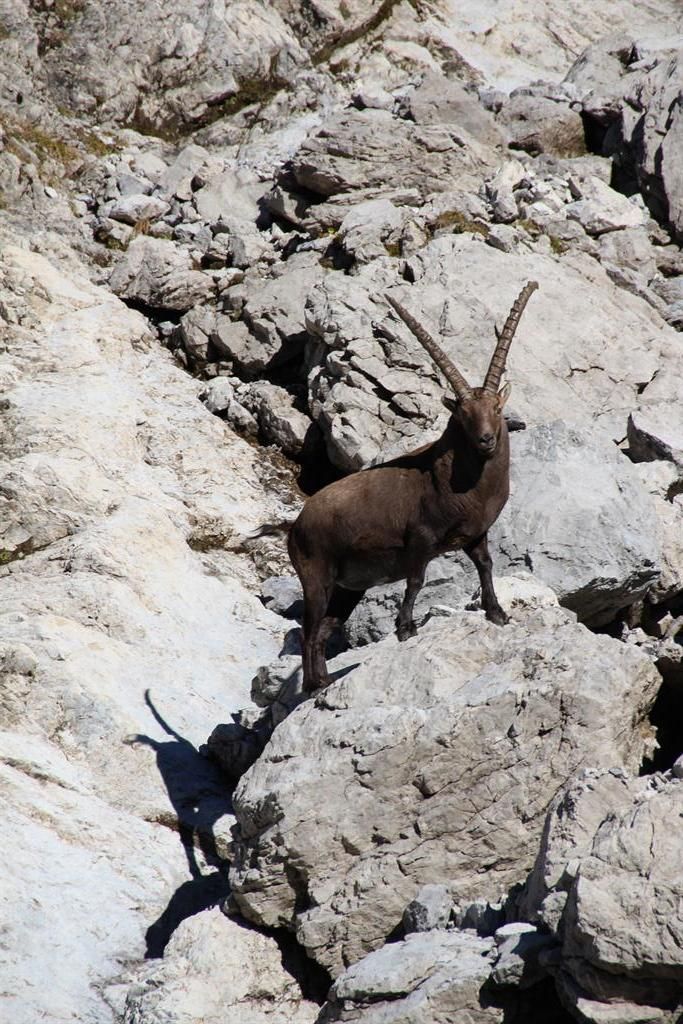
x: 350, y: 152
x: 213, y: 969
x: 131, y: 209
x: 159, y: 274
x: 656, y: 432
x: 441, y: 100
x: 599, y: 208
x: 430, y: 909
x: 539, y: 124
x: 116, y: 472
x: 619, y: 916
x: 530, y: 704
x: 433, y: 976
x: 580, y: 520
x: 374, y: 392
x: 280, y: 421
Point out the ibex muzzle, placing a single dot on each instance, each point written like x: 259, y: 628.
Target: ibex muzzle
x: 386, y: 523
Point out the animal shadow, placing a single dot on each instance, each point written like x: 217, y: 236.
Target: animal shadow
x: 199, y: 797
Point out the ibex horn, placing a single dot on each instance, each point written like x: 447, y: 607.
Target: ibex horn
x: 453, y: 376
x: 499, y: 357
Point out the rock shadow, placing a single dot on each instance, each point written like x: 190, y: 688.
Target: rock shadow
x: 199, y: 797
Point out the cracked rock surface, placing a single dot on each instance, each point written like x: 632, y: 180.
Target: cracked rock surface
x: 431, y: 759
x: 202, y: 206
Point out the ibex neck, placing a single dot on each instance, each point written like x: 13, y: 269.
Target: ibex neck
x: 460, y: 466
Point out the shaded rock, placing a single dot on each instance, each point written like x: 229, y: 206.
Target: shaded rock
x: 157, y: 273
x: 484, y: 917
x: 430, y: 909
x: 519, y: 948
x: 608, y: 849
x: 271, y: 328
x: 283, y: 595
x: 538, y: 124
x: 656, y: 432
x: 280, y: 421
x: 494, y: 718
x: 220, y: 396
x: 434, y: 976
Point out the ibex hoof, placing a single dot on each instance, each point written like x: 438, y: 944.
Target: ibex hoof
x: 405, y: 632
x: 498, y: 616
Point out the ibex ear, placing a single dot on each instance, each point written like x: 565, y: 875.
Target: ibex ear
x: 452, y: 404
x: 504, y: 394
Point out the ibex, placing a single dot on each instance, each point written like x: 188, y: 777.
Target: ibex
x: 387, y: 522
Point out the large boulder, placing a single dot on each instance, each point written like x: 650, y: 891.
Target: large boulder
x: 428, y: 761
x: 608, y: 882
x: 351, y: 152
x: 434, y: 976
x: 580, y: 520
x: 155, y: 272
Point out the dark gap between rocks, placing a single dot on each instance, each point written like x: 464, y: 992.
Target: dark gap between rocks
x: 539, y: 1004
x: 667, y: 717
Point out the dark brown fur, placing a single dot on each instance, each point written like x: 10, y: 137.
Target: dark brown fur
x: 388, y: 522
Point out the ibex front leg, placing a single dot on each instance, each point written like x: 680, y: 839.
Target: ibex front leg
x: 478, y: 551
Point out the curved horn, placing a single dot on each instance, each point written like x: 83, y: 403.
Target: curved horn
x: 497, y: 364
x: 453, y: 376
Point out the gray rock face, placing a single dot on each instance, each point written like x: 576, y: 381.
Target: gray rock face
x: 608, y: 882
x: 430, y: 909
x: 374, y: 393
x: 579, y: 519
x: 539, y: 124
x: 431, y: 977
x: 427, y: 764
x: 159, y: 274
x: 631, y: 86
x: 657, y: 433
x: 215, y: 970
x: 350, y: 153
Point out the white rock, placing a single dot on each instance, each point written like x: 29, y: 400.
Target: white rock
x: 601, y: 209
x: 132, y: 209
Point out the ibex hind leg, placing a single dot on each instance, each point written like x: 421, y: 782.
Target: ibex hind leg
x: 478, y: 551
x: 317, y: 594
x: 340, y: 605
x: 405, y: 625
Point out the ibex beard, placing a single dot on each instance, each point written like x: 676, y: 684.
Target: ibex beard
x: 386, y: 523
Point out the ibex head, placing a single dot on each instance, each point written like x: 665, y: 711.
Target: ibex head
x: 478, y: 410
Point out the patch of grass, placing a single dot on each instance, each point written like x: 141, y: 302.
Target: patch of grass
x: 94, y: 145
x: 459, y: 224
x: 45, y: 146
x: 142, y: 227
x: 393, y: 248
x: 530, y: 226
x: 557, y: 245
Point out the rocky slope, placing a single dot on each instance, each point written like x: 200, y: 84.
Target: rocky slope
x: 201, y: 208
